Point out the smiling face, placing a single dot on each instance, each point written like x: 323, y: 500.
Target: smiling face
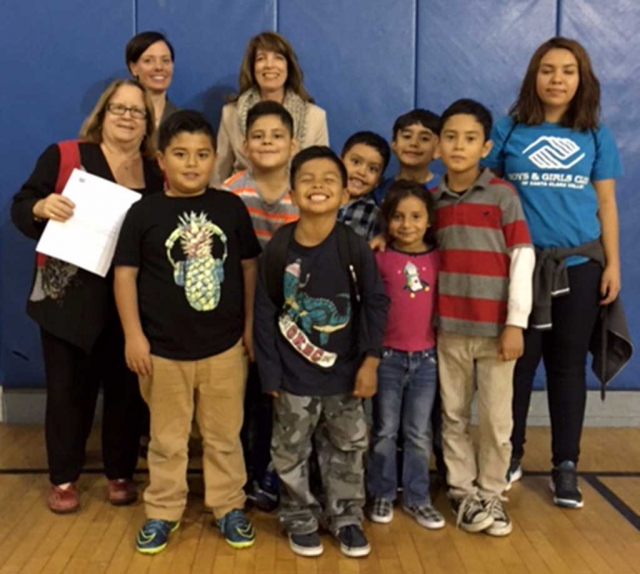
x: 364, y: 167
x: 463, y: 143
x: 269, y: 144
x: 154, y: 68
x: 557, y: 80
x: 408, y: 224
x: 415, y: 145
x: 270, y: 72
x: 187, y: 163
x: 125, y: 129
x: 318, y: 188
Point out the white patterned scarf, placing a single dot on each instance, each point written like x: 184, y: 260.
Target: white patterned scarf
x: 293, y: 103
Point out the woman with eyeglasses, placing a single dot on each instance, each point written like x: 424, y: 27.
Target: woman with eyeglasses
x: 269, y: 71
x: 82, y: 341
x: 149, y: 57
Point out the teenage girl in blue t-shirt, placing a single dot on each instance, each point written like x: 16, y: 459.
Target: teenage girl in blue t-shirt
x: 563, y: 163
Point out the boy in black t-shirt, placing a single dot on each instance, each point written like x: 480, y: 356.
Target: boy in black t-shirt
x: 185, y: 272
x: 317, y: 347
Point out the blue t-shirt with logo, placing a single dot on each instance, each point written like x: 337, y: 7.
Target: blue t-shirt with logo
x: 553, y: 168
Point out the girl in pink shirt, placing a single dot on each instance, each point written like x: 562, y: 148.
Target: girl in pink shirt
x: 407, y: 376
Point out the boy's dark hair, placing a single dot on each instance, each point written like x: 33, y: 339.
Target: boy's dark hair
x: 189, y: 121
x: 316, y: 152
x: 470, y: 108
x: 372, y: 140
x: 269, y: 108
x: 401, y: 189
x: 139, y: 44
x: 426, y: 118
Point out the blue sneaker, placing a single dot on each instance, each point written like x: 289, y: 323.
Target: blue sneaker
x: 237, y: 529
x: 266, y: 495
x: 308, y: 545
x: 353, y: 542
x: 154, y: 535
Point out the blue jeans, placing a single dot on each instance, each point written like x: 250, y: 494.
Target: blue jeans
x: 407, y: 386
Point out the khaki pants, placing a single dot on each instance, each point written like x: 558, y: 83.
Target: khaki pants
x: 217, y: 384
x: 483, y: 474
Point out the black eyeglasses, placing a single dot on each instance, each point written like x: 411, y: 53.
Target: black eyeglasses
x: 121, y: 110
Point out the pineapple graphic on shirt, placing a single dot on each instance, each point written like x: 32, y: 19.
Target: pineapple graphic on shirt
x: 200, y: 273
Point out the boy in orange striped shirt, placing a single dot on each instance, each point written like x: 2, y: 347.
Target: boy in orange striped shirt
x: 264, y: 189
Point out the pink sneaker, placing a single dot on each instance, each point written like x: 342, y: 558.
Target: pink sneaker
x: 63, y: 500
x: 122, y: 491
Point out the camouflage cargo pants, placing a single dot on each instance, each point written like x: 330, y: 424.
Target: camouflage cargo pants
x: 341, y: 442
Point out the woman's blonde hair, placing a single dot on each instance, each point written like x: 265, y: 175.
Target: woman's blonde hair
x: 91, y: 130
x: 274, y: 42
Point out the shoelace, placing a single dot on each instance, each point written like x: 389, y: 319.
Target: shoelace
x: 495, y: 508
x: 237, y: 520
x: 469, y: 504
x: 154, y: 526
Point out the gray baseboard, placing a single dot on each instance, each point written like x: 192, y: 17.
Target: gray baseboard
x: 620, y: 409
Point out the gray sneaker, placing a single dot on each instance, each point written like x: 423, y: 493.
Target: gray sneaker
x: 426, y: 515
x: 381, y: 511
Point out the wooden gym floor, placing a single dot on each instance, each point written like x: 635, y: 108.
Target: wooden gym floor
x: 603, y: 537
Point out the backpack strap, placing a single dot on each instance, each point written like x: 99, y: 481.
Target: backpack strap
x: 69, y: 160
x: 275, y: 262
x: 350, y: 259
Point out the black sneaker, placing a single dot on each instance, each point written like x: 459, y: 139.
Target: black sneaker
x: 308, y: 545
x: 564, y: 485
x: 471, y: 514
x: 514, y: 473
x: 353, y: 542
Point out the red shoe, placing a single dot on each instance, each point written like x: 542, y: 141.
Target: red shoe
x: 63, y: 500
x: 122, y: 491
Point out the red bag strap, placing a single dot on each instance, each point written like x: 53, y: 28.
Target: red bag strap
x: 69, y: 160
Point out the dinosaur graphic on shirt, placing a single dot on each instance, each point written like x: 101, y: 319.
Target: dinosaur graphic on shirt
x: 305, y: 316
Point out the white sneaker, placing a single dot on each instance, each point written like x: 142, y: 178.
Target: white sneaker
x: 426, y: 515
x: 502, y: 525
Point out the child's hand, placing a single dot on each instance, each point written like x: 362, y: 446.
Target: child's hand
x: 274, y: 394
x: 367, y: 379
x: 378, y: 243
x: 511, y: 344
x: 137, y: 352
x: 609, y: 284
x: 247, y: 340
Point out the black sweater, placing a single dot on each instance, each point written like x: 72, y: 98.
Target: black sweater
x: 315, y: 344
x: 87, y: 306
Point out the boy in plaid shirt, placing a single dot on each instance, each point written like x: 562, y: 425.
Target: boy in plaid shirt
x: 366, y: 156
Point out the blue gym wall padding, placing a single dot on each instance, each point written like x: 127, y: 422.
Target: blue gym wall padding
x: 365, y: 62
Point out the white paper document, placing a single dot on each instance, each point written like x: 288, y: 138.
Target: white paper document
x: 88, y: 240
